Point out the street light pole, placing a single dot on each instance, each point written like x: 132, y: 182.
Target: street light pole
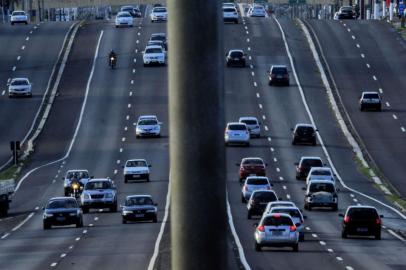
x: 197, y: 155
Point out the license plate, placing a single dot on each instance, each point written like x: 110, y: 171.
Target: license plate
x: 276, y: 233
x: 362, y: 229
x: 279, y: 76
x: 136, y: 176
x: 139, y: 215
x: 60, y: 218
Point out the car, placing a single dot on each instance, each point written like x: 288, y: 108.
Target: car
x: 229, y: 4
x: 270, y: 205
x: 304, y: 134
x: 160, y: 37
x: 251, y: 166
x: 157, y: 5
x: 278, y: 75
x: 139, y: 208
x: 99, y: 193
x: 305, y: 164
x: 258, y: 201
x: 124, y: 18
x: 159, y: 14
x: 320, y: 173
x: 361, y: 220
x: 134, y: 11
x: 321, y: 193
x: 252, y: 124
x: 62, y: 211
x: 154, y: 55
x: 345, y: 12
x: 370, y: 100
x: 148, y: 126
x: 276, y: 230
x: 236, y: 133
x: 230, y: 14
x: 18, y: 16
x: 256, y: 11
x: 296, y: 216
x: 136, y: 169
x: 81, y: 175
x: 235, y: 57
x: 19, y: 87
x: 253, y: 183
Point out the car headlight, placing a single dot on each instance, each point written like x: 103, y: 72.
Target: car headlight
x: 86, y: 196
x: 151, y: 211
x: 73, y: 214
x: 46, y: 215
x: 125, y: 212
x: 109, y: 195
x: 309, y: 199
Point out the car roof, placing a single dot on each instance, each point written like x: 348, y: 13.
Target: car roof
x: 321, y: 169
x: 123, y: 12
x: 279, y: 66
x: 160, y: 7
x: 138, y: 195
x: 77, y: 170
x: 153, y: 47
x: 309, y: 157
x: 151, y: 116
x: 236, y: 50
x: 273, y: 214
x: 283, y: 202
x: 19, y: 79
x: 318, y: 181
x: 235, y: 123
x: 61, y: 198
x: 137, y: 159
x: 247, y: 118
x: 19, y: 11
x: 286, y: 207
x: 304, y: 125
x: 362, y: 206
x: 158, y: 34
x: 256, y: 177
x: 99, y: 180
x: 370, y: 92
x: 264, y: 190
x: 246, y: 158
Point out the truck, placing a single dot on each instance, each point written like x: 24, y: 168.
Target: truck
x: 6, y: 192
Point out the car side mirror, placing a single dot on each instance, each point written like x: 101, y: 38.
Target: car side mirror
x: 237, y: 164
x: 303, y: 188
x: 149, y: 166
x: 280, y: 199
x: 122, y: 166
x: 296, y: 163
x: 341, y: 215
x: 63, y: 178
x: 271, y: 185
x: 291, y: 129
x: 266, y: 164
x: 304, y: 217
x: 226, y: 54
x: 317, y: 130
x: 381, y: 216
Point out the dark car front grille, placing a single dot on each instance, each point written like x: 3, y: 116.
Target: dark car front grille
x: 97, y: 196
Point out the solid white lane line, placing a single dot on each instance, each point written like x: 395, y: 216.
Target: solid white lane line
x: 396, y: 235
x: 23, y: 222
x: 394, y: 116
x: 161, y: 230
x: 5, y: 235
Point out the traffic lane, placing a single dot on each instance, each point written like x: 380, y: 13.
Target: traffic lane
x: 108, y: 233
x: 288, y: 154
x: 36, y: 64
x: 241, y: 100
x: 345, y: 63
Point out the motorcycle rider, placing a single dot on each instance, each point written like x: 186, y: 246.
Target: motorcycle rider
x: 113, y: 57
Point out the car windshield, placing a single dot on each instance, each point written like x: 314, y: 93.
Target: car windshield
x: 265, y: 196
x: 20, y: 82
x: 312, y: 163
x: 55, y: 204
x: 292, y: 212
x: 158, y: 37
x: 136, y: 163
x: 277, y: 221
x: 321, y: 172
x: 237, y: 127
x: 138, y: 201
x: 77, y: 175
x: 98, y: 185
x: 18, y: 13
x: 153, y: 50
x: 257, y: 181
x: 253, y: 162
x: 249, y: 122
x: 159, y: 10
x: 317, y: 187
x: 123, y: 15
x: 148, y: 122
x: 375, y: 96
x: 229, y: 9
x: 258, y: 8
x: 279, y: 70
x: 236, y: 54
x: 364, y: 213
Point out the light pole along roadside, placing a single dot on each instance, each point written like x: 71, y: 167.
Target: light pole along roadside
x: 197, y: 154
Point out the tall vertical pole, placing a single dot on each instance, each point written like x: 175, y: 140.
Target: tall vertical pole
x: 197, y: 154
x: 391, y: 10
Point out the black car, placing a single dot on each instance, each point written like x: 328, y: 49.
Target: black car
x: 304, y: 134
x: 278, y: 75
x: 305, y: 164
x: 235, y: 58
x: 259, y: 200
x: 61, y: 211
x: 361, y: 221
x: 346, y: 12
x: 139, y: 208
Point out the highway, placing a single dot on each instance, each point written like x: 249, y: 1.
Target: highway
x: 91, y: 127
x: 26, y: 51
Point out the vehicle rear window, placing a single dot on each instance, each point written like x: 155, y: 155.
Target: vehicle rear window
x: 229, y: 9
x: 252, y: 162
x: 237, y: 127
x: 321, y: 172
x: 265, y: 196
x: 62, y: 204
x: 277, y: 221
x: 304, y: 129
x: 138, y: 201
x: 19, y: 82
x: 159, y: 10
x: 123, y: 15
x: 365, y: 213
x: 376, y: 96
x: 317, y: 187
x: 249, y: 122
x: 77, y: 175
x: 312, y: 163
x: 279, y: 70
x: 292, y: 212
x: 257, y: 181
x: 18, y: 13
x: 236, y: 54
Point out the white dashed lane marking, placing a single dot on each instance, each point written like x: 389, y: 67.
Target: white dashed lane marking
x: 23, y: 47
x: 278, y: 170
x: 3, y: 93
x: 339, y: 258
x: 362, y: 55
x: 63, y: 255
x: 266, y: 128
x: 403, y: 129
x: 358, y: 46
x: 259, y: 105
x: 27, y: 38
x: 255, y: 84
x: 314, y: 235
x: 18, y: 58
x: 380, y: 90
x: 394, y: 116
x: 14, y: 68
x: 353, y: 37
x: 53, y: 264
x: 374, y: 77
x: 330, y: 250
x: 322, y: 243
x: 258, y: 96
x: 281, y: 178
x: 368, y: 66
x: 387, y: 104
x: 263, y: 117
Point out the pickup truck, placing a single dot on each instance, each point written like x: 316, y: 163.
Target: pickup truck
x: 6, y: 192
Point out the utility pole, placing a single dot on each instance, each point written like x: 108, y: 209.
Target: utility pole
x: 197, y: 153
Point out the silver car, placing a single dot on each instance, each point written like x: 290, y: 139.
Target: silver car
x: 252, y: 124
x: 148, y: 126
x: 124, y: 18
x: 253, y: 183
x: 19, y: 87
x: 99, y: 193
x: 320, y: 173
x: 276, y: 230
x: 136, y: 169
x: 296, y: 216
x: 19, y: 16
x: 237, y: 133
x: 271, y: 205
x: 256, y: 11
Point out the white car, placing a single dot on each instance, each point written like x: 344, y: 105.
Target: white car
x: 252, y: 124
x: 296, y: 216
x: 230, y: 14
x: 136, y: 169
x: 276, y: 230
x: 154, y: 54
x: 320, y: 173
x: 124, y: 18
x: 159, y: 14
x: 18, y: 16
x: 19, y: 87
x: 236, y: 133
x: 148, y: 126
x: 256, y: 11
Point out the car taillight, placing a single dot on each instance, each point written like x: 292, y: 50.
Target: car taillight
x: 346, y: 219
x: 378, y: 221
x: 293, y: 228
x: 261, y: 228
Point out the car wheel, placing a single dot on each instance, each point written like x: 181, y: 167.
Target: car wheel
x: 269, y: 83
x: 66, y: 193
x: 301, y: 237
x: 228, y: 64
x: 155, y: 220
x: 293, y: 142
x: 79, y: 224
x: 125, y: 180
x: 306, y: 206
x: 378, y: 235
x: 247, y: 144
x: 335, y: 207
x: 314, y: 143
x: 12, y: 23
x: 344, y: 234
x: 236, y: 21
x: 361, y: 108
x: 124, y: 221
x: 243, y: 200
x: 147, y: 178
x: 46, y: 226
x: 379, y: 109
x: 309, y: 207
x: 296, y: 247
x: 85, y: 210
x: 258, y: 247
x: 113, y: 208
x: 249, y: 214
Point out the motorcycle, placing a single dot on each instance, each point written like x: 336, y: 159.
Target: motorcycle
x: 112, y: 62
x: 76, y: 189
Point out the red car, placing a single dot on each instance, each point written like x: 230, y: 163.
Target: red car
x: 251, y: 166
